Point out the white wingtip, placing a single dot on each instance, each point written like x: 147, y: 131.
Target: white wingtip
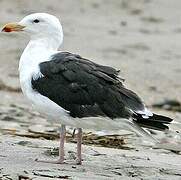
x: 145, y: 113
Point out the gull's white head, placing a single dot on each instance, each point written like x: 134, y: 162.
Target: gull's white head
x: 38, y: 26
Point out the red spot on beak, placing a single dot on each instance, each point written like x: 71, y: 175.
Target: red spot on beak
x: 6, y: 29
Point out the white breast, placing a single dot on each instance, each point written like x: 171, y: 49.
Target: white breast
x: 32, y: 56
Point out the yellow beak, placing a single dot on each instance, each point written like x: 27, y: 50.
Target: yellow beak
x: 12, y: 27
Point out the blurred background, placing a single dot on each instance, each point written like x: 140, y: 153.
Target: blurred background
x: 139, y: 37
x: 142, y: 38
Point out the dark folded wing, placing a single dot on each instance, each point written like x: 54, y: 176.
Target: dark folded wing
x: 85, y: 88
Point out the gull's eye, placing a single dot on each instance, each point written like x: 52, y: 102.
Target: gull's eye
x: 36, y: 21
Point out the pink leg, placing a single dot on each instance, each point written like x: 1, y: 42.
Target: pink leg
x: 61, y: 148
x: 62, y: 142
x: 79, y: 149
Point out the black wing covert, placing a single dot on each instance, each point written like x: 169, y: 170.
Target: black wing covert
x: 85, y: 88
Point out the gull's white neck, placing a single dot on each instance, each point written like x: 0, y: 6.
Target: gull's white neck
x: 37, y: 51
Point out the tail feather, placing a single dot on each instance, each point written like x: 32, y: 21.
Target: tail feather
x: 160, y: 118
x: 157, y: 122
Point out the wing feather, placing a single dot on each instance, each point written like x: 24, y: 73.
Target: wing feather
x: 85, y: 88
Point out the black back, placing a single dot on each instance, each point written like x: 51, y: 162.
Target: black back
x: 85, y: 88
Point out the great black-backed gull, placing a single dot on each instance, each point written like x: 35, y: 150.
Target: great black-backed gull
x: 75, y: 91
